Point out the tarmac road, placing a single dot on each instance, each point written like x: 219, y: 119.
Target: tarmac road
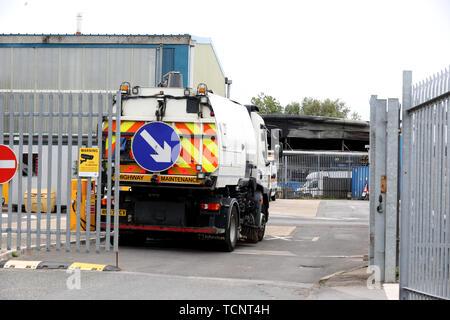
x: 305, y: 241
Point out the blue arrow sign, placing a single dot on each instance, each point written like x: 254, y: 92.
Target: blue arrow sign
x: 156, y: 146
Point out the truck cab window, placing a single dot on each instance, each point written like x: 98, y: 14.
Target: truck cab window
x: 264, y: 143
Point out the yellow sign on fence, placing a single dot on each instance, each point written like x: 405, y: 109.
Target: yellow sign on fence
x: 88, y: 162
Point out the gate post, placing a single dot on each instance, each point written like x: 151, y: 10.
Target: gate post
x: 380, y: 195
x: 405, y: 203
x: 391, y: 211
x: 372, y: 166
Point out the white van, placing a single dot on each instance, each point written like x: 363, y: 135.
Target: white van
x: 313, y: 186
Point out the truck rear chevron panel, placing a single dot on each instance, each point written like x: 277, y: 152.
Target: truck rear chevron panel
x: 195, y: 146
x: 125, y: 127
x: 131, y: 168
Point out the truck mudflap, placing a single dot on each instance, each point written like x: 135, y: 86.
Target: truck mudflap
x: 209, y: 230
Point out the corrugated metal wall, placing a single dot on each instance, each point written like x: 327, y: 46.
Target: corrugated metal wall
x: 360, y: 179
x: 207, y: 69
x: 85, y: 69
x: 75, y: 68
x: 61, y: 104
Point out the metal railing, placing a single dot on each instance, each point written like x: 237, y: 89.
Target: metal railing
x: 318, y: 174
x: 425, y: 195
x: 46, y: 130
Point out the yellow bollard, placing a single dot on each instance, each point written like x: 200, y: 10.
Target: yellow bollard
x: 5, y: 192
x: 73, y: 209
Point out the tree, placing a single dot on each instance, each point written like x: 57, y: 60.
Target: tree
x: 326, y: 108
x: 292, y: 108
x: 308, y: 107
x: 355, y: 116
x: 267, y: 104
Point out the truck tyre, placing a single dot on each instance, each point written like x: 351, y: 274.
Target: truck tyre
x: 258, y: 208
x: 262, y: 229
x: 231, y: 233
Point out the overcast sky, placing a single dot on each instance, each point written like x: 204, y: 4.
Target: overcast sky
x: 346, y: 49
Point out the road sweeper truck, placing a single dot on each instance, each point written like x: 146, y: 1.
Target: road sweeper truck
x: 191, y: 161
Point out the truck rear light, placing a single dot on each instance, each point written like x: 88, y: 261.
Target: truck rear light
x: 201, y: 175
x: 125, y: 88
x: 201, y: 90
x: 210, y: 206
x: 105, y: 201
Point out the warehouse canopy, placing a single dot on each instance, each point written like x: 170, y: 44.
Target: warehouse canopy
x: 320, y: 133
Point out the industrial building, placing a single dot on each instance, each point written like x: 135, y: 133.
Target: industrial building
x: 103, y: 62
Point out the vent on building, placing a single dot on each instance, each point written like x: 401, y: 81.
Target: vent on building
x: 172, y: 79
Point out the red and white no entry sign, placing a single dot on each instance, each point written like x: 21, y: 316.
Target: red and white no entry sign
x: 8, y: 164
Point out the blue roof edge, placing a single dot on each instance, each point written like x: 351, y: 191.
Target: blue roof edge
x: 94, y: 35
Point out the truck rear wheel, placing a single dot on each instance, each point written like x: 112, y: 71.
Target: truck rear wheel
x: 231, y: 234
x: 262, y: 229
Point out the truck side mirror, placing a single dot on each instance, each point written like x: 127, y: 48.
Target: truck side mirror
x: 278, y: 152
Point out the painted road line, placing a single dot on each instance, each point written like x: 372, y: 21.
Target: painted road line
x: 343, y: 219
x: 342, y: 257
x: 231, y: 281
x: 337, y: 257
x: 314, y: 239
x: 287, y: 238
x: 280, y: 231
x: 264, y: 252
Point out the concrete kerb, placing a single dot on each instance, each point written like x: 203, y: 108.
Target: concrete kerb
x: 323, y: 280
x: 352, y: 279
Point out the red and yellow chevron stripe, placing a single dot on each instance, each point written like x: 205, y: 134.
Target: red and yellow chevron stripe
x: 131, y: 168
x: 210, y: 148
x: 191, y: 136
x: 125, y: 126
